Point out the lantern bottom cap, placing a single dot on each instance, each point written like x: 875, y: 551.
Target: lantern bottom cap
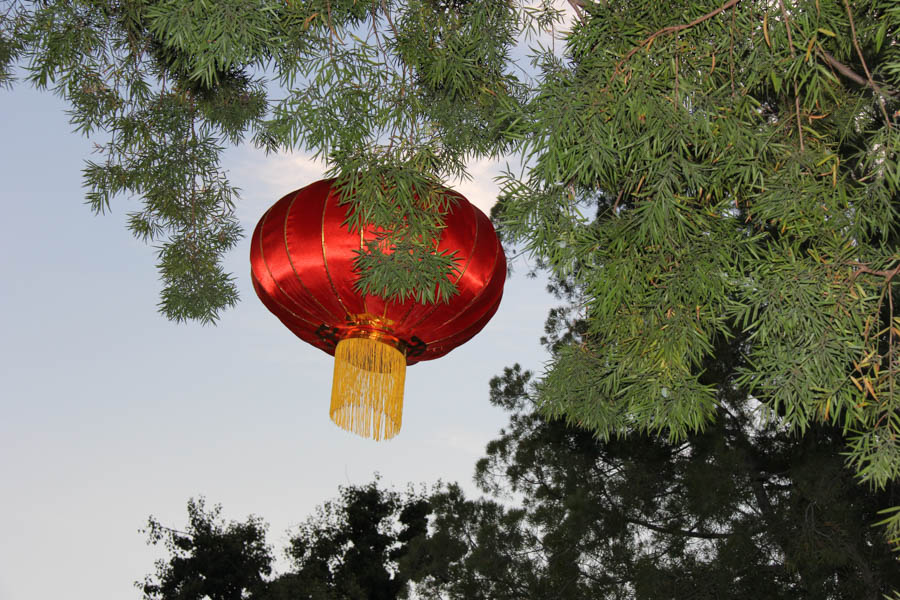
x: 367, y: 390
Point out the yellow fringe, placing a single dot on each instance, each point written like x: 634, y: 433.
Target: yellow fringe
x: 367, y: 392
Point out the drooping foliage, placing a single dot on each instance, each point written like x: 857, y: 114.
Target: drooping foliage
x: 745, y: 187
x: 394, y: 95
x: 717, y: 178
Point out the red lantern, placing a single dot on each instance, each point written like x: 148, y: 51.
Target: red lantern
x: 301, y: 260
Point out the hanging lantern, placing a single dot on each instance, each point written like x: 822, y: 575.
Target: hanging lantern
x: 301, y: 260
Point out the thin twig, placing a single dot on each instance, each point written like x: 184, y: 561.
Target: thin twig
x: 853, y: 75
x: 787, y: 26
x: 856, y: 42
x: 676, y: 78
x: 888, y: 274
x: 731, y: 55
x: 890, y: 341
x: 387, y: 15
x: 578, y: 7
x: 676, y: 29
x: 865, y: 67
x: 330, y: 26
x: 616, y: 203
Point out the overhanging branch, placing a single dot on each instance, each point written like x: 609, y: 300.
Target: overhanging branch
x: 853, y: 75
x: 676, y: 29
x: 707, y: 535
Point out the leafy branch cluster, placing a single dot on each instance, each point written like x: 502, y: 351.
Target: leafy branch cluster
x: 712, y: 176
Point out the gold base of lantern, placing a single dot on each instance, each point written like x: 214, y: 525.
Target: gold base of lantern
x: 367, y: 392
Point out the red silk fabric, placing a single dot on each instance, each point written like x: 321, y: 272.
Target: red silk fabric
x: 301, y: 259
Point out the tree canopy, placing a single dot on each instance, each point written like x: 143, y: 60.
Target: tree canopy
x: 743, y: 510
x: 705, y: 176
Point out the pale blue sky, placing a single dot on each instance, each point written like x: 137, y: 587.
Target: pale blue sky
x: 110, y: 413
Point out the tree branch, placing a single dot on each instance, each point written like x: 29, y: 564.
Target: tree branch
x: 888, y: 274
x: 853, y: 75
x: 676, y: 29
x: 682, y: 532
x: 862, y: 60
x: 578, y: 7
x: 787, y: 27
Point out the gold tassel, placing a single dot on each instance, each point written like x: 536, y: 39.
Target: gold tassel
x: 367, y: 392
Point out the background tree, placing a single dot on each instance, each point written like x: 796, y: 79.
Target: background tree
x: 742, y: 510
x: 351, y: 549
x: 739, y: 156
x: 208, y: 559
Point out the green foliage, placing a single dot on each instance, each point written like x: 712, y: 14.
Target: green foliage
x: 713, y: 218
x: 126, y: 76
x: 721, y: 175
x: 402, y: 260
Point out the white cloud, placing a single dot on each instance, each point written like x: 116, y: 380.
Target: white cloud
x: 264, y: 179
x: 481, y: 190
x: 460, y: 441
